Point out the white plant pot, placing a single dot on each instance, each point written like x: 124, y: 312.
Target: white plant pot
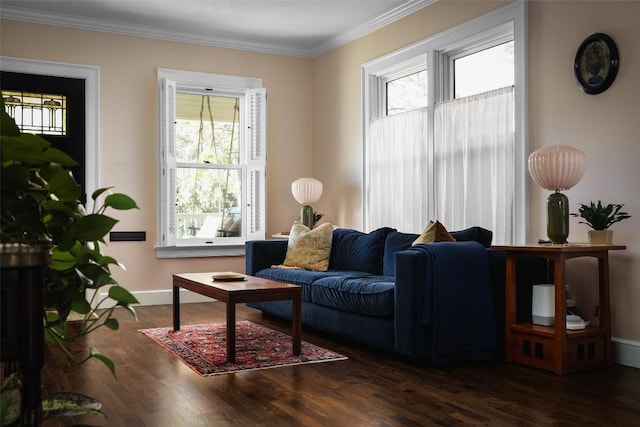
x: 600, y: 237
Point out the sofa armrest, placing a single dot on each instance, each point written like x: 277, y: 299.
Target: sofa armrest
x: 442, y: 310
x: 411, y: 276
x: 261, y: 254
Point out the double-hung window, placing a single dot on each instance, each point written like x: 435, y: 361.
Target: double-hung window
x: 445, y: 130
x: 212, y: 163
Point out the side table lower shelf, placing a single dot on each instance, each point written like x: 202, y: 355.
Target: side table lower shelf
x: 534, y: 345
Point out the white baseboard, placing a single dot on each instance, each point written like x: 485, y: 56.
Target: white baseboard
x: 162, y: 297
x: 625, y: 352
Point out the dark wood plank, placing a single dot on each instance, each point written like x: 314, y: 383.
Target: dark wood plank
x: 154, y: 388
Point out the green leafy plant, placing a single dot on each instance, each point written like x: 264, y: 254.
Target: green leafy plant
x: 316, y: 217
x: 600, y: 217
x: 40, y: 207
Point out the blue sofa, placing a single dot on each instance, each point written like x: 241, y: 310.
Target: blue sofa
x: 442, y: 301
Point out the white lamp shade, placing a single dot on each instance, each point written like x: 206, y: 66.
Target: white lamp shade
x: 306, y: 190
x: 557, y: 167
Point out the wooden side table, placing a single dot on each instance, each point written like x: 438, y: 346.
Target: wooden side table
x: 553, y: 347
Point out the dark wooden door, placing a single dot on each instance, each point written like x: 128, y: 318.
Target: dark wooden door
x: 73, y: 141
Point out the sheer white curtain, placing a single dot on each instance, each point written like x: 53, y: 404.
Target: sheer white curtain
x: 472, y: 172
x: 397, y: 172
x: 474, y: 163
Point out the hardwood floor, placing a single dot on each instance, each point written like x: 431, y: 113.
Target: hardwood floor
x: 153, y: 388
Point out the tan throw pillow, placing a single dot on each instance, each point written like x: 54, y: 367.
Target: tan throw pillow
x: 435, y: 232
x: 309, y: 249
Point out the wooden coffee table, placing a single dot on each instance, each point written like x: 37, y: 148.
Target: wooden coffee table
x: 250, y: 289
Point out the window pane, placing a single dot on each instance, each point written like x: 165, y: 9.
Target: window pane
x: 407, y: 93
x: 40, y: 113
x: 485, y: 70
x: 208, y: 202
x: 207, y: 129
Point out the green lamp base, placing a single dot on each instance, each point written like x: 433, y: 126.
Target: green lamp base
x: 558, y: 218
x: 306, y: 215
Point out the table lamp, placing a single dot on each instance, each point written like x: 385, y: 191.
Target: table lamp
x: 306, y: 191
x: 556, y: 168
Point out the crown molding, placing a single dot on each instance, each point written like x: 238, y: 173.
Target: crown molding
x: 83, y: 23
x: 378, y: 22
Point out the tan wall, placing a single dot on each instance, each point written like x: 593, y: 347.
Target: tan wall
x: 315, y: 123
x: 128, y: 127
x: 605, y: 126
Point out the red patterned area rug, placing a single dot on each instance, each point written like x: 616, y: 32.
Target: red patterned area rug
x: 204, y: 348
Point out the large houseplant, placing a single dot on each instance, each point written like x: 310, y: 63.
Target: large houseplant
x: 40, y: 208
x: 600, y: 217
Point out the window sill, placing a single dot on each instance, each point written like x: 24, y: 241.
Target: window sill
x: 199, y: 251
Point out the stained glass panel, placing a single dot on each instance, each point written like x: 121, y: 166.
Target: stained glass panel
x: 44, y: 114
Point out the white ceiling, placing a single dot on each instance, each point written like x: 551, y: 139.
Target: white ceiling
x: 304, y: 28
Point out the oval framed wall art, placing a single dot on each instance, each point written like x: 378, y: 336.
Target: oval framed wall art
x: 596, y: 63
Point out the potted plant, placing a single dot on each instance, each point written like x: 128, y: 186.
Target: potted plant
x: 42, y: 220
x: 600, y: 217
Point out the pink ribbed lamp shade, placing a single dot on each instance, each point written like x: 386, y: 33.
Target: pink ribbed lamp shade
x: 306, y: 190
x: 557, y: 167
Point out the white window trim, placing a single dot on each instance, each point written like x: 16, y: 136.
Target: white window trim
x: 253, y: 162
x: 431, y: 49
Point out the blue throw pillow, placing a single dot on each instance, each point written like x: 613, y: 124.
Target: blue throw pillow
x: 353, y: 250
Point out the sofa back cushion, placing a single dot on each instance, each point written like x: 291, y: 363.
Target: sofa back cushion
x: 477, y: 234
x: 353, y: 250
x: 395, y: 242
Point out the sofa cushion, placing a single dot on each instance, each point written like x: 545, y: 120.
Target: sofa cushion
x: 309, y: 248
x: 395, y: 242
x: 370, y: 295
x: 358, y: 251
x: 434, y: 232
x: 477, y: 234
x: 304, y: 278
